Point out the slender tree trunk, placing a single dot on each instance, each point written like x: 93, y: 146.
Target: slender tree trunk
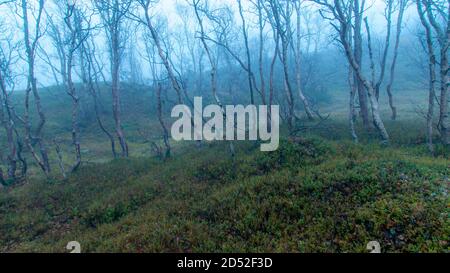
x: 22, y: 160
x: 2, y: 179
x: 394, y: 60
x: 261, y: 51
x: 443, y: 34
x: 432, y: 75
x: 272, y: 70
x: 75, y: 112
x: 213, y: 67
x: 352, y: 110
x: 116, y: 91
x: 60, y: 159
x: 343, y: 32
x: 431, y: 98
x: 247, y: 52
x: 100, y: 122
x: 386, y: 48
x: 94, y: 88
x: 298, y: 71
x: 30, y: 48
x: 8, y: 123
x: 362, y: 93
x: 162, y: 55
x: 352, y: 113
x: 444, y: 115
x: 443, y: 110
x: 74, y: 26
x: 287, y: 85
x: 282, y: 30
x: 161, y: 121
x: 369, y: 46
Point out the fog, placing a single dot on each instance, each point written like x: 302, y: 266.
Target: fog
x: 358, y: 61
x: 224, y: 126
x: 168, y: 13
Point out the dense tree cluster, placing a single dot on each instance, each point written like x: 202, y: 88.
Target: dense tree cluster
x: 255, y: 51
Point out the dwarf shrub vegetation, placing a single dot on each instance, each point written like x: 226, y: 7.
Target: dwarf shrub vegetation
x: 311, y: 195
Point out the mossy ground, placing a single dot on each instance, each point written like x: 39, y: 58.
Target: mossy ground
x: 318, y: 193
x: 312, y: 195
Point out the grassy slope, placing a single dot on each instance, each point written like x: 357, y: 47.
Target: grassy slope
x: 317, y: 193
x: 311, y: 195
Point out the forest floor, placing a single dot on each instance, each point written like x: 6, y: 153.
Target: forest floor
x: 318, y: 193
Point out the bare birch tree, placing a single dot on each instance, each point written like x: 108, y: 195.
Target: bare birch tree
x: 113, y: 14
x: 74, y: 37
x: 34, y: 137
x: 261, y: 24
x: 199, y: 9
x: 337, y: 12
x: 244, y: 29
x: 94, y: 73
x: 401, y: 12
x: 280, y: 13
x: 297, y: 53
x: 358, y: 8
x: 388, y: 15
x: 146, y: 21
x: 438, y: 16
x: 432, y: 73
x: 7, y: 58
x: 157, y: 85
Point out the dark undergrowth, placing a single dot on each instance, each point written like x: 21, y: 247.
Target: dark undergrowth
x: 312, y: 195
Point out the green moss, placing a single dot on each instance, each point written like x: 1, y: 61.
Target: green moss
x: 312, y: 195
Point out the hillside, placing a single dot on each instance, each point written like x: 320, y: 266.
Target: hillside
x: 107, y: 109
x: 312, y: 195
x: 318, y: 193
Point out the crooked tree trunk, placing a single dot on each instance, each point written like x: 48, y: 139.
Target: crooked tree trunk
x: 369, y: 46
x: 24, y: 167
x: 443, y: 34
x: 115, y: 47
x: 298, y: 76
x: 2, y: 179
x: 432, y: 75
x: 213, y: 68
x: 261, y: 52
x: 444, y: 69
x: 8, y: 123
x: 247, y: 52
x: 282, y: 34
x: 93, y: 86
x: 162, y: 55
x: 444, y: 121
x: 75, y: 112
x: 287, y: 86
x: 357, y: 53
x: 76, y: 41
x: 394, y: 60
x: 352, y: 110
x: 272, y: 71
x: 373, y: 101
x: 60, y: 159
x: 343, y: 33
x: 18, y: 141
x: 30, y: 48
x: 99, y: 120
x: 386, y: 49
x: 162, y: 123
